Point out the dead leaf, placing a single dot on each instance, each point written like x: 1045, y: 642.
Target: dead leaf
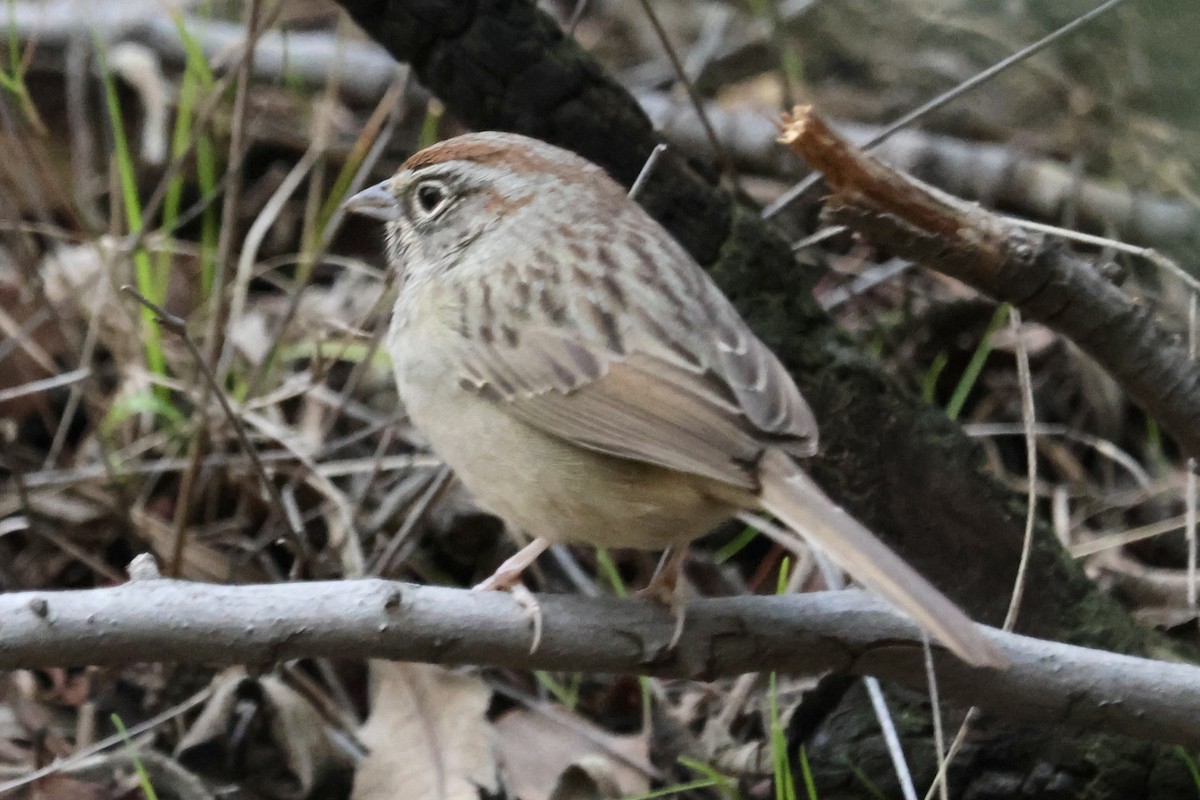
x: 428, y: 735
x: 64, y: 787
x: 541, y: 758
x: 332, y: 312
x: 201, y: 562
x: 592, y: 778
x: 281, y: 745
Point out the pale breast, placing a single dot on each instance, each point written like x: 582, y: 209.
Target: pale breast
x: 544, y: 486
x: 538, y: 483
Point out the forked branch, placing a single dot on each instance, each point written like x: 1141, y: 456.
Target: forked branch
x: 1044, y: 280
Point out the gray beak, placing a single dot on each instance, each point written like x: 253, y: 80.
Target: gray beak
x: 376, y: 202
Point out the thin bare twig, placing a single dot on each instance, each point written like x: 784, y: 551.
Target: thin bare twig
x: 90, y: 338
x: 1138, y: 534
x: 1029, y: 421
x: 647, y: 171
x: 891, y: 738
x: 1029, y: 427
x: 1102, y: 446
x: 1190, y: 492
x: 118, y: 738
x: 233, y: 186
x: 1149, y: 253
x: 939, y: 780
x: 378, y: 130
x: 437, y: 483
x: 718, y: 149
x: 935, y: 703
x: 941, y: 100
x: 45, y: 384
x: 178, y: 326
x: 254, y: 237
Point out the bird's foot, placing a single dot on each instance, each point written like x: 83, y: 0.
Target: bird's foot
x: 507, y: 577
x: 663, y: 589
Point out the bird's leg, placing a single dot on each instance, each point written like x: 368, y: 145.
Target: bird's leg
x: 664, y: 587
x: 508, y: 576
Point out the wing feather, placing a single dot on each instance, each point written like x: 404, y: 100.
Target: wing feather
x: 646, y: 359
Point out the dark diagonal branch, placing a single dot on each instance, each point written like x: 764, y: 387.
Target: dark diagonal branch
x: 849, y: 632
x: 1044, y: 280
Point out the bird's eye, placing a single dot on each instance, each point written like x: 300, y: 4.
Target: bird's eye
x: 431, y: 196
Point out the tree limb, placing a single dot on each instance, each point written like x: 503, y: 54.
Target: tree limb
x: 988, y: 253
x: 1001, y: 174
x: 848, y: 631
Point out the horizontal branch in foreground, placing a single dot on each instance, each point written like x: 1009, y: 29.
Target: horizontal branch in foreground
x: 994, y: 256
x: 851, y: 632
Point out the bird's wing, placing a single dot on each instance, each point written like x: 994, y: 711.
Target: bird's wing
x: 625, y: 346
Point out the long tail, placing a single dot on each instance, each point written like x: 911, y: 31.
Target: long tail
x: 793, y: 497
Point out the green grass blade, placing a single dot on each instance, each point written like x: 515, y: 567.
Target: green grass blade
x: 668, y: 791
x: 723, y: 783
x: 148, y: 402
x: 181, y: 137
x: 143, y: 776
x: 975, y: 366
x: 735, y: 546
x: 609, y: 568
x: 1190, y: 762
x: 14, y: 80
x: 206, y: 161
x: 197, y: 79
x: 785, y: 785
x: 196, y: 60
x: 566, y: 695
x: 206, y: 172
x: 430, y: 124
x: 929, y: 382
x: 149, y: 284
x: 810, y: 786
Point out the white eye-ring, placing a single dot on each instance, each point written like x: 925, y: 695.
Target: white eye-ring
x: 430, y: 197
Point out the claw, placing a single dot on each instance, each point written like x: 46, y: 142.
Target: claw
x: 508, y: 577
x: 664, y: 589
x: 531, y: 611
